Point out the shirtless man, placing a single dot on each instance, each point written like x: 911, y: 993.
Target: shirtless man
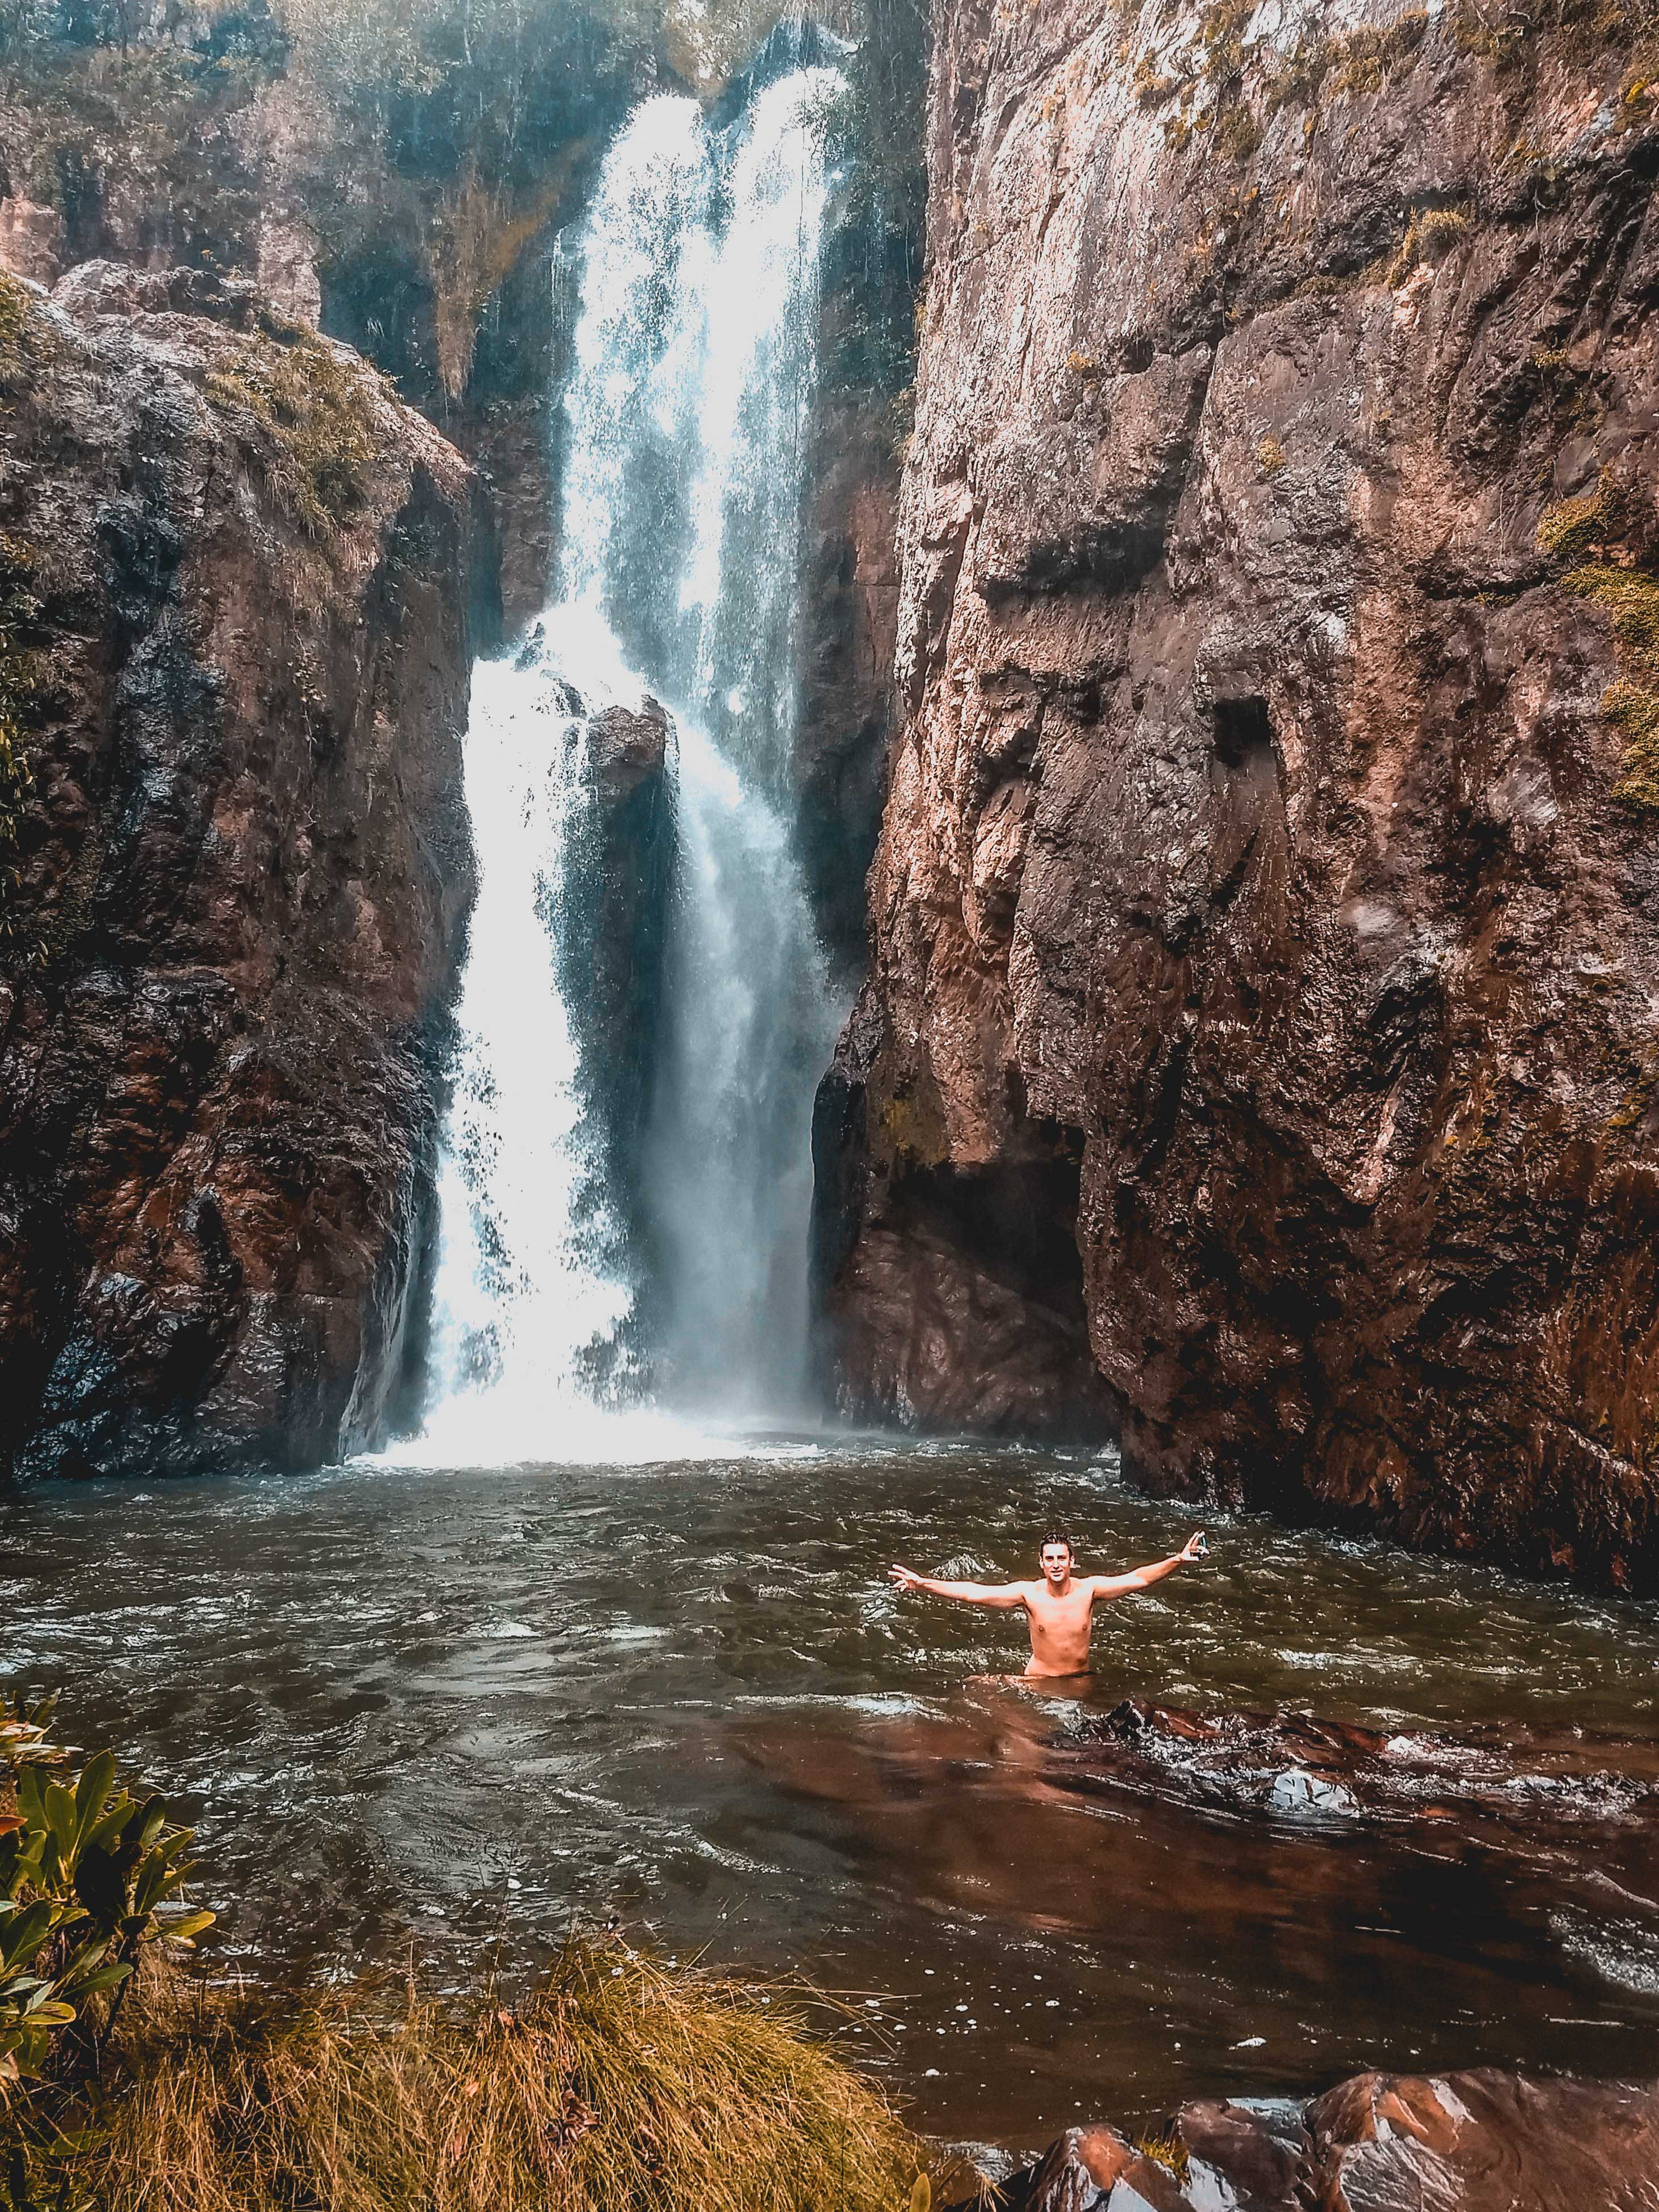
x: 1059, y: 1609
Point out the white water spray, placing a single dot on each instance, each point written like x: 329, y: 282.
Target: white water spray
x: 694, y: 370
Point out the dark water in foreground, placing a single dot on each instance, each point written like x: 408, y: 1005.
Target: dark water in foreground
x: 472, y: 1704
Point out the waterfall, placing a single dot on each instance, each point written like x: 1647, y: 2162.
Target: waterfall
x: 572, y: 1317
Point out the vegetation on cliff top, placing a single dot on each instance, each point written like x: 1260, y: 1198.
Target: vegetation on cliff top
x: 313, y: 421
x: 418, y: 146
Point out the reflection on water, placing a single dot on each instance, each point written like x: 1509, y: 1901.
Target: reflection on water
x: 472, y: 1704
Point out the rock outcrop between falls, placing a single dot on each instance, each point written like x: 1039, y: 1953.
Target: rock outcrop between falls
x: 234, y: 663
x: 1476, y: 2141
x: 612, y: 941
x: 1259, y: 1047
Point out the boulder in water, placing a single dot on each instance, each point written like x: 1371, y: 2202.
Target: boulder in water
x: 624, y: 748
x: 1295, y: 1764
x: 1476, y: 2141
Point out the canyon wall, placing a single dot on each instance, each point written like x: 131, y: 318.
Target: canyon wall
x: 234, y: 656
x: 1259, y: 1053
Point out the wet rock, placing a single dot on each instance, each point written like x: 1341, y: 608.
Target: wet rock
x: 287, y: 271
x: 1294, y: 1766
x: 624, y: 748
x: 1267, y: 892
x: 1476, y: 2141
x: 848, y: 624
x: 620, y: 863
x: 242, y: 868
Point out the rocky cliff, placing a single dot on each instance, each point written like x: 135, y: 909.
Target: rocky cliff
x: 1259, y: 1055
x: 232, y: 687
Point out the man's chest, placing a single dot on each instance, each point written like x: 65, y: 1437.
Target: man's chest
x: 1060, y: 1615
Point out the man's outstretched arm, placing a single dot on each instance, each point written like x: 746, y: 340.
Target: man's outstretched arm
x: 1004, y: 1595
x: 1144, y: 1577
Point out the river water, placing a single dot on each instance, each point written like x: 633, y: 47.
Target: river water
x: 462, y: 1708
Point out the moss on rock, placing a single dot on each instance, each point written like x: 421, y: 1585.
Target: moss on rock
x: 1633, y: 710
x: 1630, y: 597
x: 313, y: 422
x: 1574, y: 528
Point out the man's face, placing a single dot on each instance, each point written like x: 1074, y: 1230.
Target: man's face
x: 1056, y: 1561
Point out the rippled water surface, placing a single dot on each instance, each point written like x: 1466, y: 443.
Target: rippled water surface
x: 475, y: 1703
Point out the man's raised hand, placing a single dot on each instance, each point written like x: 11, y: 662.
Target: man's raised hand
x: 1195, y: 1546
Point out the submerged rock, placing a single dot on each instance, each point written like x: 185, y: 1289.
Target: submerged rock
x: 1265, y: 914
x: 1294, y: 1765
x: 236, y: 629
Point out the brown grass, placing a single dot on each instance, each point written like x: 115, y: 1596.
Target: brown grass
x: 311, y: 420
x: 623, y: 2085
x: 1431, y: 236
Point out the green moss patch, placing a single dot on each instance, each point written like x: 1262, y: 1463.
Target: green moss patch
x: 1633, y: 711
x: 17, y: 328
x: 1574, y: 528
x: 313, y: 422
x: 1507, y: 32
x: 1630, y: 597
x: 1601, y: 534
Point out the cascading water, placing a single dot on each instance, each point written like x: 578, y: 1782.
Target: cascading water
x: 694, y: 369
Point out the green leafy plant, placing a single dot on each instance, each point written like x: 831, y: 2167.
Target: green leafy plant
x: 89, y: 1874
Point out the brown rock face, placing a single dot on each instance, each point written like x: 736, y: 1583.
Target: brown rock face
x: 235, y: 630
x: 1478, y: 2141
x: 1266, y: 903
x: 31, y: 241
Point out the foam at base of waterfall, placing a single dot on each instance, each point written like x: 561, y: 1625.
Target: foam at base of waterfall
x: 482, y: 1430
x: 471, y: 1432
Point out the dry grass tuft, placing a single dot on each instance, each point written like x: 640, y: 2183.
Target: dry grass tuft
x: 1431, y: 236
x: 312, y: 423
x: 475, y: 246
x: 623, y: 2085
x: 1167, y: 2150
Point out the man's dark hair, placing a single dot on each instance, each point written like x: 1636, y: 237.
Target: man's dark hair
x: 1056, y: 1536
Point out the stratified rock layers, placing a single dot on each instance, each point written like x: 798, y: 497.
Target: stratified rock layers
x: 1266, y: 915
x: 236, y: 586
